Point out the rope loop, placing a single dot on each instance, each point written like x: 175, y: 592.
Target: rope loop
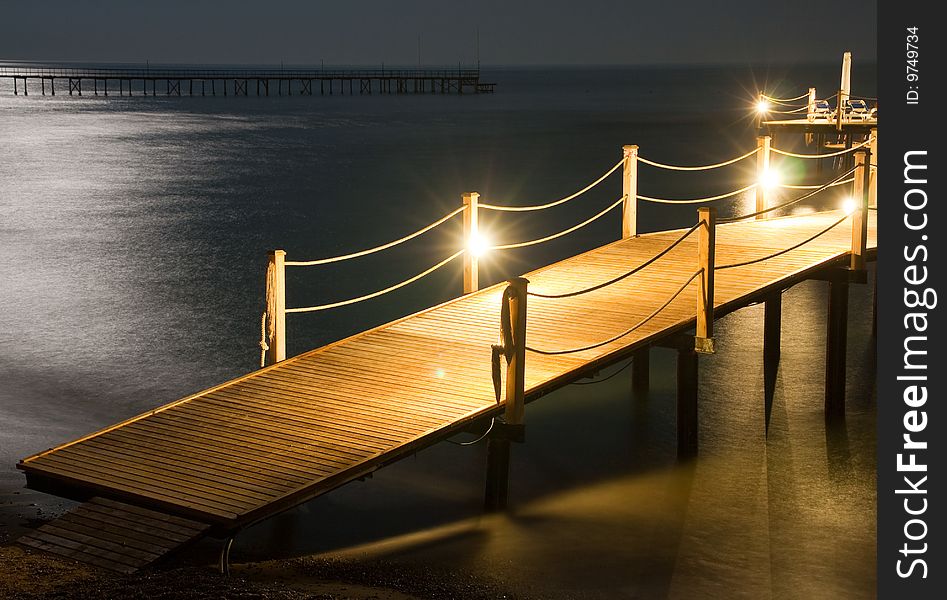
x: 781, y: 100
x: 410, y: 236
x: 627, y: 331
x: 701, y: 167
x: 625, y: 275
x: 379, y: 292
x: 781, y: 252
x: 561, y: 233
x: 829, y: 155
x: 837, y: 181
x: 698, y: 200
x: 505, y: 208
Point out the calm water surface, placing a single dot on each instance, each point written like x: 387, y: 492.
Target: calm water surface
x: 133, y: 235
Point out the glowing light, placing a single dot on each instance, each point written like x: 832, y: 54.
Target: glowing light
x: 762, y: 106
x: 478, y: 245
x: 440, y: 373
x: 769, y: 179
x: 849, y: 206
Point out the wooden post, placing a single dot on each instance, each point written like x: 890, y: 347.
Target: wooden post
x: 471, y: 238
x: 515, y: 369
x: 873, y: 173
x: 772, y: 327
x: 839, y: 110
x: 629, y: 209
x: 835, y: 349
x: 277, y: 260
x: 760, y: 102
x: 641, y: 370
x: 706, y: 233
x: 511, y: 426
x: 811, y: 114
x: 763, y: 143
x: 860, y: 216
x: 687, y: 416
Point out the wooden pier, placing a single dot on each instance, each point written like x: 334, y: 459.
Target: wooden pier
x: 240, y: 452
x: 241, y: 82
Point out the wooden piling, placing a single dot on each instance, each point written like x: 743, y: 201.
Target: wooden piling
x: 629, y: 210
x: 276, y: 289
x: 471, y: 238
x: 687, y: 418
x: 515, y: 369
x: 860, y: 215
x: 835, y: 348
x: 772, y: 327
x: 706, y: 234
x: 641, y: 370
x: 763, y: 143
x: 873, y: 173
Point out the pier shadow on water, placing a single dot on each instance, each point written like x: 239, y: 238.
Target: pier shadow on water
x: 602, y: 508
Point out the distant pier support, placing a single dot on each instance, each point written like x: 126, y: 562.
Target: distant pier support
x: 417, y: 81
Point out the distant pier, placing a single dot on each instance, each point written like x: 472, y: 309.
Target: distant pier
x: 46, y: 80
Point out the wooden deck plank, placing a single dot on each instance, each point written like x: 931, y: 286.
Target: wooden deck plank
x: 299, y: 428
x: 114, y: 535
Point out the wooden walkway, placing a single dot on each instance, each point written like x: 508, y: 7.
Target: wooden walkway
x: 244, y: 450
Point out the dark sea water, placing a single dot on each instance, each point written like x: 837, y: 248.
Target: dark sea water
x: 133, y: 237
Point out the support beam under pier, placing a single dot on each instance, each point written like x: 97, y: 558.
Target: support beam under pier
x: 836, y: 339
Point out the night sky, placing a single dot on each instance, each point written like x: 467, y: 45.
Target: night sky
x: 370, y: 32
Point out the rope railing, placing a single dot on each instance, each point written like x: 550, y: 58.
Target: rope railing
x: 625, y: 275
x: 801, y: 109
x: 506, y: 208
x: 843, y: 178
x: 410, y: 236
x: 701, y: 167
x: 379, y: 292
x: 829, y: 155
x: 631, y: 329
x: 790, y: 186
x: 780, y: 100
x: 781, y: 252
x: 561, y: 233
x: 698, y: 200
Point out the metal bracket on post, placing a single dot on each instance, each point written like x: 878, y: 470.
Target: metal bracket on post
x: 706, y: 234
x: 225, y: 556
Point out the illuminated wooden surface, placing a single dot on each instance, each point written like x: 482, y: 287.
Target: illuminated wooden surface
x: 246, y: 449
